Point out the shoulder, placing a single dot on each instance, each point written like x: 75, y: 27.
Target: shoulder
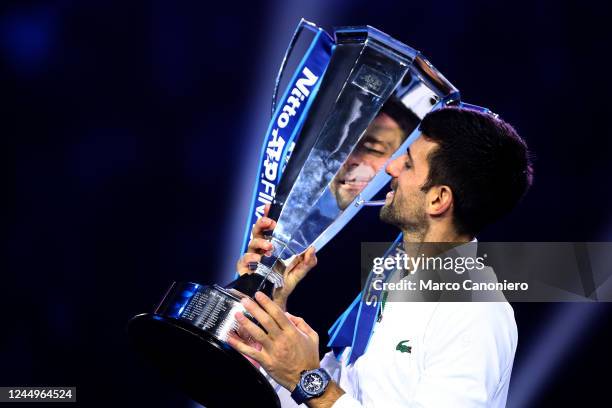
x: 487, y: 329
x: 483, y: 316
x: 475, y: 311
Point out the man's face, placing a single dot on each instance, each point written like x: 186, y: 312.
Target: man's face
x: 405, y: 203
x: 381, y: 139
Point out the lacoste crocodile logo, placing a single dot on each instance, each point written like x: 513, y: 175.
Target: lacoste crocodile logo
x: 402, y: 347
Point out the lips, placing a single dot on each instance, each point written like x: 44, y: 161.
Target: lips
x: 391, y: 194
x: 356, y: 182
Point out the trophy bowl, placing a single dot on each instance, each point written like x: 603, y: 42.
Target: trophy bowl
x: 186, y: 340
x: 182, y: 353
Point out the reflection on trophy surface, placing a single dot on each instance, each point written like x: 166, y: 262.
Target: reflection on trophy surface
x: 381, y: 139
x: 353, y: 103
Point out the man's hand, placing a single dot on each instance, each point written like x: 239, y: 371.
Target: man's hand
x: 259, y: 246
x: 289, y: 347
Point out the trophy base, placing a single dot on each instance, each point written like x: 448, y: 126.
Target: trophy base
x: 207, y: 370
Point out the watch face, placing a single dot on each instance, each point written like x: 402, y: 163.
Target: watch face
x: 312, y: 383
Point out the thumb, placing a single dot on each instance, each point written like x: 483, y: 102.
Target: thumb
x: 308, y: 261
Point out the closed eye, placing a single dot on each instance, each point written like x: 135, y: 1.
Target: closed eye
x: 374, y: 148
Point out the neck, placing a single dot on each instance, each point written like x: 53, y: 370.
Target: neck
x: 434, y: 234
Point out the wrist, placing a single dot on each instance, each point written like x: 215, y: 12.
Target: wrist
x: 332, y: 393
x: 311, y: 384
x: 293, y: 382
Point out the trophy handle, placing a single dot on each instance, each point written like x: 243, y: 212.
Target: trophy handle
x: 296, y: 35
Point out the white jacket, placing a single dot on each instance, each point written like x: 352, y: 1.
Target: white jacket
x: 429, y: 354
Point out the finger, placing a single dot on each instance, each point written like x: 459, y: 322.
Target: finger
x: 273, y: 310
x: 310, y: 257
x: 267, y: 321
x: 308, y: 262
x: 245, y: 349
x: 260, y: 246
x: 248, y: 340
x: 245, y: 337
x: 303, y: 326
x: 263, y: 224
x: 245, y: 263
x: 260, y: 226
x: 252, y: 329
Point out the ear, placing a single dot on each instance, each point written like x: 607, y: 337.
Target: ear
x: 438, y: 200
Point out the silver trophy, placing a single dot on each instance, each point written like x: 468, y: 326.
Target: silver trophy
x: 354, y: 103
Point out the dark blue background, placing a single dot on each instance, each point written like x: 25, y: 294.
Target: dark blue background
x: 131, y: 133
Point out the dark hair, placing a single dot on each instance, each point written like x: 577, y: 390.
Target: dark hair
x: 482, y: 159
x: 405, y: 118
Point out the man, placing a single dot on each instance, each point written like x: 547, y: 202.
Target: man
x: 465, y: 171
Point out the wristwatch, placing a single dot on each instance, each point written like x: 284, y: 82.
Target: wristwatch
x: 312, y: 384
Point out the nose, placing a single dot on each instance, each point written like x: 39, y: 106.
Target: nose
x: 356, y: 158
x: 394, y: 167
x: 353, y: 160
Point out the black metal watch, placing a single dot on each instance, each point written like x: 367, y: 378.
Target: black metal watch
x: 312, y: 384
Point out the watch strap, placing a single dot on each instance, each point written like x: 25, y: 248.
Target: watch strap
x: 298, y: 394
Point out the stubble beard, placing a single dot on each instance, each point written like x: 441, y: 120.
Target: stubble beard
x: 408, y: 218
